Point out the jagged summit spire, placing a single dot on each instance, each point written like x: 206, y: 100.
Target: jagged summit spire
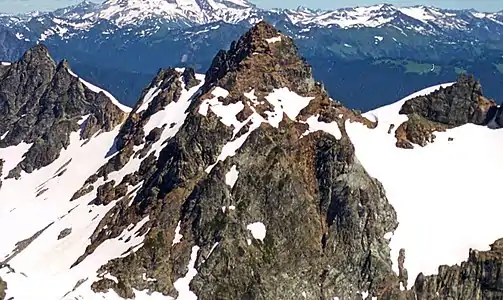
x: 38, y: 54
x: 264, y: 58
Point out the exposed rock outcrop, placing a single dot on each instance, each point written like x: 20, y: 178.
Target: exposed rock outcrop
x: 479, y: 278
x: 289, y: 175
x: 42, y: 103
x: 1, y: 171
x: 449, y: 107
x: 3, y: 287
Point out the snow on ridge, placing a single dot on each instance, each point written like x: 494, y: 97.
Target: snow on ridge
x: 282, y: 100
x: 285, y: 101
x: 174, y: 114
x: 445, y: 178
x: 4, y: 63
x: 273, y: 40
x: 315, y: 125
x: 96, y: 89
x: 13, y: 155
x: 151, y: 94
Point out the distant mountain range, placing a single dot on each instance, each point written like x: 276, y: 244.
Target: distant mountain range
x: 396, y: 50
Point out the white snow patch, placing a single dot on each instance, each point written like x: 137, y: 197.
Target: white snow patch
x: 419, y: 13
x: 173, y: 115
x: 251, y: 96
x: 47, y: 260
x: 285, y: 101
x: 151, y: 94
x: 12, y: 156
x: 232, y: 176
x: 315, y: 125
x: 232, y: 207
x: 446, y: 201
x: 258, y: 230
x: 274, y: 39
x: 111, y: 277
x: 4, y: 63
x: 178, y: 236
x: 96, y: 89
x: 226, y: 113
x: 182, y: 284
x: 212, y: 249
x: 145, y: 278
x: 4, y: 135
x: 232, y: 146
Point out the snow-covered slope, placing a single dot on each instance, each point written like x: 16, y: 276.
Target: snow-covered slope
x: 443, y: 192
x: 49, y: 231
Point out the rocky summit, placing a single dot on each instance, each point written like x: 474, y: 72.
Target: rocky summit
x: 248, y: 182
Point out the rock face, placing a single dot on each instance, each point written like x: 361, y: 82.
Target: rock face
x: 3, y: 287
x: 449, y: 107
x: 41, y: 103
x: 286, y: 172
x: 479, y: 278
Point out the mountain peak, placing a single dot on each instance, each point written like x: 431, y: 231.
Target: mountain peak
x: 38, y: 54
x: 41, y: 116
x: 453, y: 106
x: 264, y: 58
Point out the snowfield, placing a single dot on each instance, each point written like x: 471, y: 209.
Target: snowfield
x: 37, y: 256
x: 444, y: 193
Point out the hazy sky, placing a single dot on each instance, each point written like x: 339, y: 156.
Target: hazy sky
x: 482, y: 5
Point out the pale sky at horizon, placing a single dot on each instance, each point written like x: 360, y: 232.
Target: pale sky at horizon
x: 13, y: 6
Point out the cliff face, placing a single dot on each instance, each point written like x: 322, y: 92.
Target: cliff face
x: 3, y: 287
x: 262, y: 150
x: 478, y: 278
x: 41, y: 103
x: 456, y: 105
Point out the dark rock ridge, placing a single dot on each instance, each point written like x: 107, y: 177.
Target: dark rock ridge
x: 3, y: 287
x: 479, y: 278
x: 132, y: 134
x: 41, y: 103
x: 325, y: 217
x: 449, y: 107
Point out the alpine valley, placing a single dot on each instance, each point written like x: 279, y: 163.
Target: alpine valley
x: 366, y: 56
x: 246, y: 182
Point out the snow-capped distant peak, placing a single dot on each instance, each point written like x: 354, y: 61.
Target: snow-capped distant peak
x: 382, y: 14
x: 126, y: 12
x: 152, y: 15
